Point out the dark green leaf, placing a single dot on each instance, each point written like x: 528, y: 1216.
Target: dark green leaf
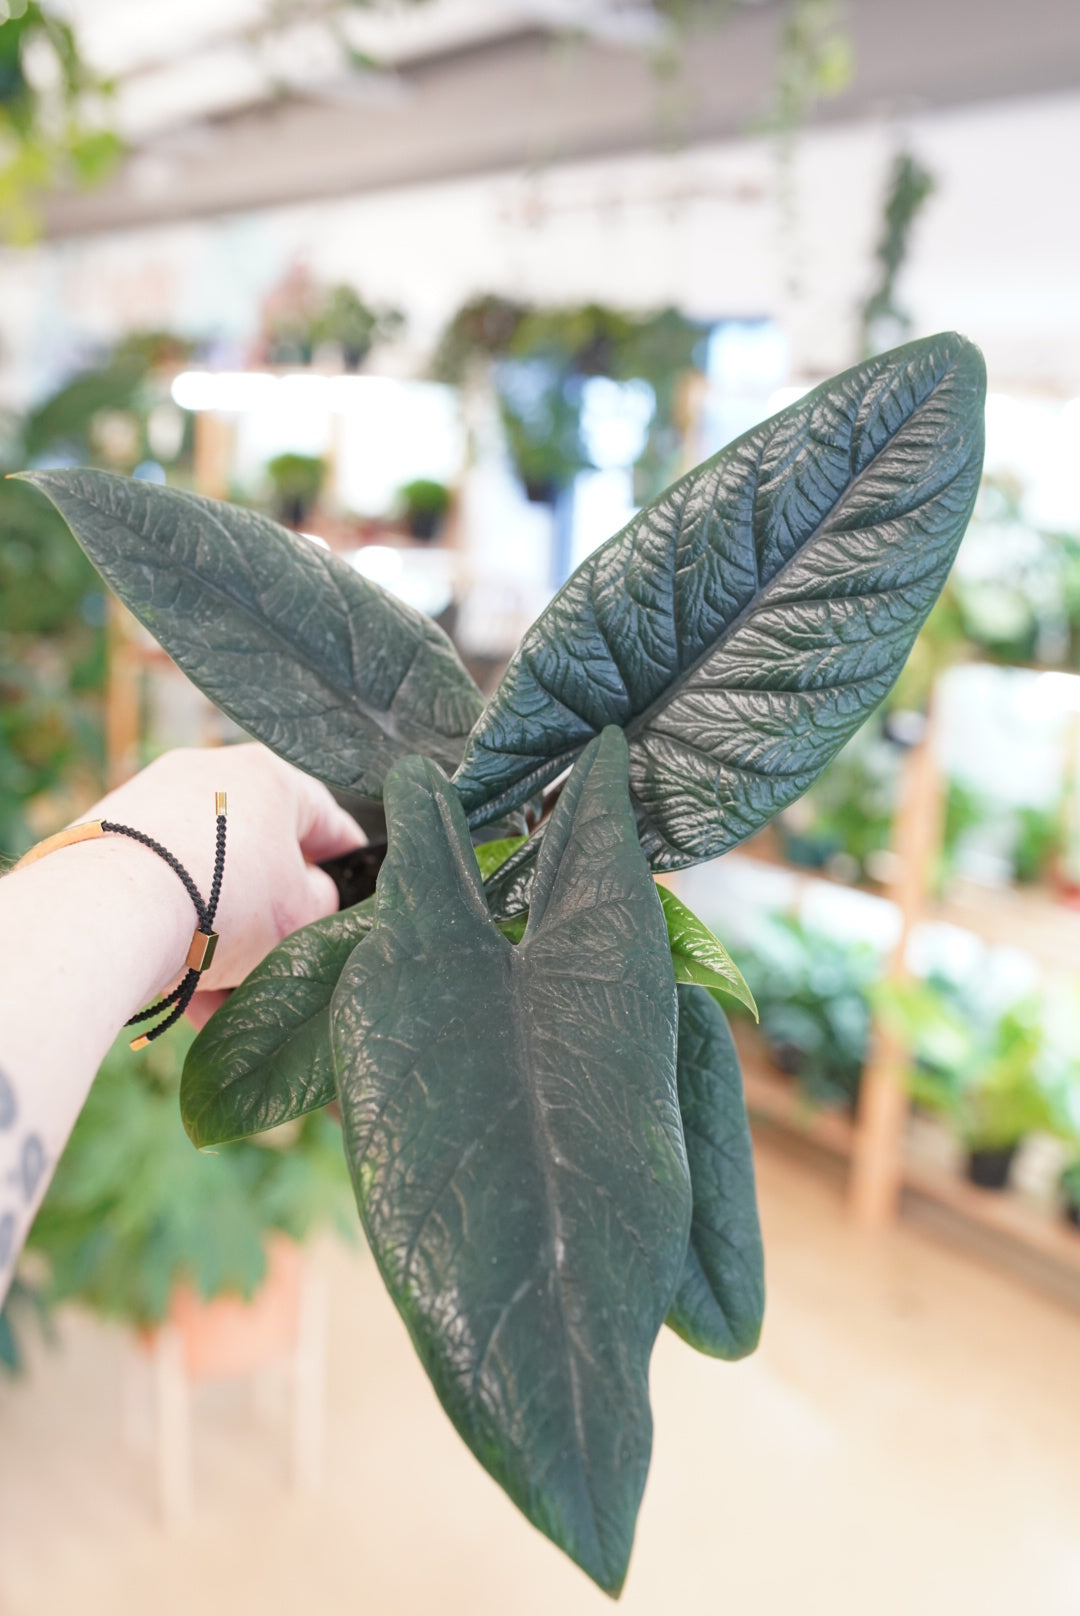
x: 264, y: 1057
x: 744, y: 625
x: 721, y: 1297
x: 512, y: 1126
x: 700, y: 957
x: 324, y: 666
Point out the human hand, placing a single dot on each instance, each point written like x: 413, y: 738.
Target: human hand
x: 280, y: 824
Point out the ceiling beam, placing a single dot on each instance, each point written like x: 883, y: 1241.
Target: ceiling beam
x: 535, y: 100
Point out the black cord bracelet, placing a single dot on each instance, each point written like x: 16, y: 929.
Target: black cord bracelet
x: 203, y: 943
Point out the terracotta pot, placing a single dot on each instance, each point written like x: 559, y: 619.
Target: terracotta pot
x: 229, y: 1336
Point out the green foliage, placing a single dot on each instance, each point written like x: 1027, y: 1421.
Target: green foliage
x: 132, y: 1209
x: 909, y: 188
x: 297, y: 479
x: 480, y: 1192
x: 988, y: 1070
x: 23, y: 1302
x: 267, y: 625
x: 424, y: 504
x: 346, y: 319
x: 699, y: 957
x: 541, y: 358
x: 813, y: 999
x: 52, y: 614
x: 720, y: 1301
x: 47, y: 136
x: 689, y: 628
x: 506, y: 1053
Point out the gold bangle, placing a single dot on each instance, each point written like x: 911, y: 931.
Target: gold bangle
x: 89, y: 831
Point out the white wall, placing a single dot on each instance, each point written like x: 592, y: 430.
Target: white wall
x: 997, y: 253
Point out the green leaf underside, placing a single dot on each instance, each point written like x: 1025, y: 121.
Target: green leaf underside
x: 324, y: 666
x: 720, y: 1301
x: 745, y: 624
x: 698, y: 956
x: 512, y: 1127
x: 265, y: 1057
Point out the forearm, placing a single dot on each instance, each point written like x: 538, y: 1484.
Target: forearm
x: 87, y: 936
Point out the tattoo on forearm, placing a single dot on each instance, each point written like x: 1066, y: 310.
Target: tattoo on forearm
x: 20, y: 1184
x: 8, y: 1108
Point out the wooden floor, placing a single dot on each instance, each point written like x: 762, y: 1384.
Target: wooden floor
x: 905, y: 1443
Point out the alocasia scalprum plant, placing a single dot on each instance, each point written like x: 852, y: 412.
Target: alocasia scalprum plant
x: 541, y: 1102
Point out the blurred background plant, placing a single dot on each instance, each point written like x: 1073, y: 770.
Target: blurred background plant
x: 296, y: 480
x: 53, y: 115
x: 993, y: 1073
x: 812, y: 994
x: 424, y: 505
x: 539, y: 361
x: 52, y: 602
x: 133, y: 1210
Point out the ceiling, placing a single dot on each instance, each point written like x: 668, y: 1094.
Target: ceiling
x: 234, y: 104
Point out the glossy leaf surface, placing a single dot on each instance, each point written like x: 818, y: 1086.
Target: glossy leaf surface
x: 511, y: 1121
x: 698, y: 956
x: 321, y: 664
x: 264, y: 1057
x: 744, y: 625
x: 721, y: 1297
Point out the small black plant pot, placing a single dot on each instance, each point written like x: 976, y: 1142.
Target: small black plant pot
x: 424, y: 525
x: 1071, y: 1210
x: 989, y: 1169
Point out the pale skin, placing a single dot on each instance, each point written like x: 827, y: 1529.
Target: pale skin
x: 93, y: 932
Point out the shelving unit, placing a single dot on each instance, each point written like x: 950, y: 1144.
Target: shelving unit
x: 884, y: 1179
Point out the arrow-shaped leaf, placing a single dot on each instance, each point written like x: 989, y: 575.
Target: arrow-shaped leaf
x: 264, y: 1057
x: 721, y: 1297
x: 512, y: 1126
x: 744, y: 625
x: 321, y: 664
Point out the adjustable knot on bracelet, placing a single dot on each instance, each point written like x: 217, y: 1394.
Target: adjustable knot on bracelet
x: 204, y: 941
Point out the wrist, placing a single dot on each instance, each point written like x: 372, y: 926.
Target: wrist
x: 125, y: 904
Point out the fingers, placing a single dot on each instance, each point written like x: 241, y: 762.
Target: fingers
x: 324, y: 830
x: 204, y: 1004
x: 321, y: 893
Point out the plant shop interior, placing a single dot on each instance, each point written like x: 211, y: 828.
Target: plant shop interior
x: 437, y: 296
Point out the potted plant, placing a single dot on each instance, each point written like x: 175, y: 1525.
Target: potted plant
x: 1069, y: 1185
x: 984, y: 1072
x: 541, y: 358
x: 140, y: 1228
x: 811, y: 993
x: 540, y: 1099
x: 296, y: 480
x: 424, y: 505
x: 352, y: 326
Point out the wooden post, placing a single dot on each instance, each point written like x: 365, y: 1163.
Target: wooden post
x: 214, y: 443
x: 123, y: 690
x: 877, y: 1158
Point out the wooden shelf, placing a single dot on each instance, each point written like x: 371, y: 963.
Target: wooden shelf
x: 1002, y: 1218
x: 1031, y: 919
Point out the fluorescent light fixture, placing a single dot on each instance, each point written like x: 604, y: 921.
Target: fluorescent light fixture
x: 1051, y: 695
x: 229, y: 391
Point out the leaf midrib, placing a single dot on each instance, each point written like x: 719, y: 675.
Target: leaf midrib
x: 756, y: 601
x: 519, y: 964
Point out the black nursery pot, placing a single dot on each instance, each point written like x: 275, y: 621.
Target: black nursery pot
x: 1071, y: 1210
x: 989, y: 1169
